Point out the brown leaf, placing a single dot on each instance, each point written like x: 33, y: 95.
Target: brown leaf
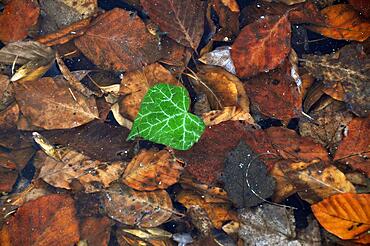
x: 215, y: 117
x: 222, y: 88
x: 124, y: 45
x: 355, y: 147
x: 8, y: 172
x: 329, y: 126
x: 152, y: 170
x: 313, y: 180
x: 140, y: 208
x: 275, y: 94
x: 65, y: 34
x: 182, y: 20
x: 73, y: 166
x: 49, y: 103
x: 261, y: 46
x: 9, y: 116
x: 100, y: 141
x: 96, y: 231
x: 343, y: 22
x: 217, y: 212
x: 17, y: 18
x: 345, y: 215
x: 228, y: 19
x: 6, y: 92
x: 300, y: 13
x: 349, y: 66
x: 135, y: 85
x: 48, y: 220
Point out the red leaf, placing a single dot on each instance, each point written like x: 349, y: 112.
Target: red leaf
x: 17, y: 18
x: 261, y: 46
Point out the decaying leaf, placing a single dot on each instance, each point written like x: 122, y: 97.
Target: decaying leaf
x: 6, y: 92
x: 261, y: 46
x: 228, y: 19
x: 58, y: 14
x: 140, y: 208
x: 218, y: 212
x: 272, y: 225
x: 275, y: 94
x: 49, y: 103
x: 354, y: 149
x: 8, y: 172
x: 9, y: 116
x: 151, y: 170
x: 215, y: 117
x: 98, y: 140
x: 61, y: 167
x: 48, y: 220
x: 17, y: 18
x: 136, y: 84
x: 345, y: 215
x: 329, y: 126
x: 245, y: 176
x: 219, y: 57
x: 351, y: 67
x: 96, y: 231
x: 343, y: 22
x: 182, y: 20
x: 34, y: 57
x: 222, y: 88
x: 126, y: 45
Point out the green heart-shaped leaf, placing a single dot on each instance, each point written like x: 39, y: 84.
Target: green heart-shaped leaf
x: 164, y: 118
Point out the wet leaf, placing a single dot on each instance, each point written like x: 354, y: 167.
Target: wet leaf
x: 345, y: 215
x: 205, y: 160
x: 362, y: 6
x: 219, y: 57
x: 313, y: 181
x: 151, y: 170
x: 228, y: 19
x: 164, y: 118
x: 49, y: 103
x: 69, y: 166
x: 141, y: 208
x: 275, y: 94
x: 217, y: 212
x: 329, y: 126
x: 245, y: 176
x: 61, y: 13
x: 6, y: 92
x: 271, y: 225
x: 17, y: 18
x: 99, y: 141
x: 39, y: 223
x: 136, y: 84
x: 126, y: 45
x: 96, y: 231
x: 343, y: 22
x: 349, y: 66
x: 261, y: 46
x: 34, y: 57
x: 9, y: 116
x: 215, y: 117
x: 222, y: 88
x: 182, y: 20
x: 354, y: 149
x: 8, y: 172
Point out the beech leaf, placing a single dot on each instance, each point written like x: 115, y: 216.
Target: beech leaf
x: 163, y: 118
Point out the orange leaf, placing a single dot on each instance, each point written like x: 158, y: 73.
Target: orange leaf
x: 343, y: 22
x: 345, y: 215
x: 151, y: 170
